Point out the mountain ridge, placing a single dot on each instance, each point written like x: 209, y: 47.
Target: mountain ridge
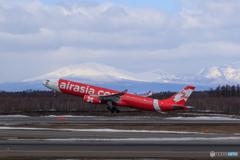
x: 119, y: 79
x: 214, y: 75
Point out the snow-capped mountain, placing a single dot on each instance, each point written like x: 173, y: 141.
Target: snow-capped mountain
x: 99, y: 72
x: 91, y: 70
x: 215, y: 75
x: 118, y: 79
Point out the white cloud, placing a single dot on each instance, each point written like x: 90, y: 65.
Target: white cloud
x: 46, y: 37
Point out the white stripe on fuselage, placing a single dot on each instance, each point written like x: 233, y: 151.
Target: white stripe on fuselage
x: 156, y: 106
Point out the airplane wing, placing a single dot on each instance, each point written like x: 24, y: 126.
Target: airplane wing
x: 112, y: 97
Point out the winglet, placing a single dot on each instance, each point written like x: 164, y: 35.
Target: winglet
x: 125, y: 91
x: 150, y: 93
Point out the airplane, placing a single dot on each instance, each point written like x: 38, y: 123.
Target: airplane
x: 113, y: 99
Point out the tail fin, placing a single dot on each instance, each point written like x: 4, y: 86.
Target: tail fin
x: 181, y: 97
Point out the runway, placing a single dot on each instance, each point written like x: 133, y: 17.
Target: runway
x: 117, y: 150
x: 117, y: 137
x: 80, y: 120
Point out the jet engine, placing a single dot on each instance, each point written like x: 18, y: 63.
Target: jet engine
x: 91, y: 99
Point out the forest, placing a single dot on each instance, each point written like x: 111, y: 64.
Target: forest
x: 222, y: 99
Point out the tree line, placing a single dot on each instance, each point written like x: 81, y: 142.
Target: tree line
x: 221, y: 99
x: 225, y: 91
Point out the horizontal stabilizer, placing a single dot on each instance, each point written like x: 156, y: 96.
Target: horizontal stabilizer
x: 181, y: 107
x: 190, y: 107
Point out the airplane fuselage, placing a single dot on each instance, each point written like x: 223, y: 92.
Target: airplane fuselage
x: 127, y: 100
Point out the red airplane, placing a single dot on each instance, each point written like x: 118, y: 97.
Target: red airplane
x: 97, y: 95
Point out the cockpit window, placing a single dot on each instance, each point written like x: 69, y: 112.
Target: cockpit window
x: 47, y: 80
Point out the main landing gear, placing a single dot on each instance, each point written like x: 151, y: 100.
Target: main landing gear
x: 55, y: 94
x: 112, y: 108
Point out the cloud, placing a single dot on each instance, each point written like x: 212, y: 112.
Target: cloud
x: 113, y: 34
x: 115, y: 11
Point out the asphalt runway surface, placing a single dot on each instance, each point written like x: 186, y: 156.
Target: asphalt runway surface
x: 80, y: 120
x: 117, y: 150
x: 110, y: 143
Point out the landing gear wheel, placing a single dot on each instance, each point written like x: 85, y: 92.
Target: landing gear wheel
x: 108, y: 108
x: 55, y: 94
x: 117, y: 111
x: 112, y: 110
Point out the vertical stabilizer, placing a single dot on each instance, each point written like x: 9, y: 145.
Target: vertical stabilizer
x: 181, y: 97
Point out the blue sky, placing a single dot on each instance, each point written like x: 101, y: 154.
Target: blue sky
x: 164, y: 5
x: 176, y: 36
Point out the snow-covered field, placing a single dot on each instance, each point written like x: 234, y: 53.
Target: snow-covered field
x: 13, y: 116
x: 44, y: 116
x: 204, y: 118
x: 96, y: 130
x: 65, y: 116
x: 139, y: 139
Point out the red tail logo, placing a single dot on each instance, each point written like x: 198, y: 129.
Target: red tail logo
x: 183, y: 95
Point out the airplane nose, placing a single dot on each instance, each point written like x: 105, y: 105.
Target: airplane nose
x: 44, y: 83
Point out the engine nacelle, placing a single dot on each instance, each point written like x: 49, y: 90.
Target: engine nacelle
x: 91, y: 99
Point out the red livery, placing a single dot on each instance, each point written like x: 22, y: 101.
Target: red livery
x: 97, y: 95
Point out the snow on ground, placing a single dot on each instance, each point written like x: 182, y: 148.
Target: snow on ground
x: 96, y: 130
x: 65, y: 116
x: 205, y: 110
x: 44, y: 116
x: 206, y: 114
x: 139, y: 139
x: 13, y: 116
x: 201, y: 118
